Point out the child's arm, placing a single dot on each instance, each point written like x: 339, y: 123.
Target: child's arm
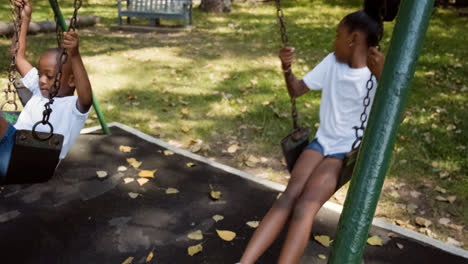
x: 375, y: 62
x: 295, y: 87
x: 22, y: 65
x: 82, y: 84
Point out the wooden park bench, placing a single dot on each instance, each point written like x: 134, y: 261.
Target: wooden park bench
x: 156, y: 10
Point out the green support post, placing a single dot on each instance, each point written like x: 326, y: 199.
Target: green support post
x: 64, y: 27
x: 379, y: 138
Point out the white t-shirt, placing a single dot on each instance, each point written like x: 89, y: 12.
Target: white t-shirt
x: 66, y: 119
x: 343, y: 91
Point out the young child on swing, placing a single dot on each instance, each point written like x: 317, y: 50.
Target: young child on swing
x: 342, y: 77
x: 69, y: 112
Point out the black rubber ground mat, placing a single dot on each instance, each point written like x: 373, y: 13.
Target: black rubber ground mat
x: 80, y: 218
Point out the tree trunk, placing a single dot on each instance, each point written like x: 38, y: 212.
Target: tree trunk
x: 217, y: 6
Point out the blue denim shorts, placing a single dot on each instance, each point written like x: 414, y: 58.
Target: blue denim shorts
x: 315, y: 145
x: 6, y: 146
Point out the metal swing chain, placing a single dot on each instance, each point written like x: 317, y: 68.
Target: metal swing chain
x: 285, y: 40
x: 17, y: 22
x: 58, y: 76
x: 369, y: 87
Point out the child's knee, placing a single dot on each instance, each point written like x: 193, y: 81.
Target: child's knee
x: 305, y: 207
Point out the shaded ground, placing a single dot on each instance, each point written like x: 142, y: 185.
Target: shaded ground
x: 78, y: 218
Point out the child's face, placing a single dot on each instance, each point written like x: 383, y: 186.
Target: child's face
x: 47, y: 68
x: 341, y: 46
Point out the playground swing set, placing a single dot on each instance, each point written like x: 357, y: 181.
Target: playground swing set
x: 368, y: 162
x: 35, y: 155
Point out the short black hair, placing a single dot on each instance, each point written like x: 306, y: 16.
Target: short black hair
x: 361, y: 21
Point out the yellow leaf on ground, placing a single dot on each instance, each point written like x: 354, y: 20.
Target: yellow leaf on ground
x: 374, y: 241
x: 129, y: 260
x: 128, y: 180
x: 147, y: 173
x: 218, y: 217
x: 101, y: 174
x: 214, y: 194
x: 171, y: 190
x: 253, y: 224
x: 233, y: 148
x: 133, y: 195
x: 226, y: 234
x: 321, y: 256
x: 142, y: 181
x: 196, y: 235
x: 185, y: 128
x: 184, y: 111
x: 195, y: 249
x: 125, y: 149
x: 191, y: 164
x: 168, y: 153
x: 323, y: 240
x: 150, y: 256
x: 134, y: 163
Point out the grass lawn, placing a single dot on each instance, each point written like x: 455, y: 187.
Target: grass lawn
x: 218, y: 85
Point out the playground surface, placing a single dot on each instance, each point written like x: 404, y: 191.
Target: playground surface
x: 78, y: 217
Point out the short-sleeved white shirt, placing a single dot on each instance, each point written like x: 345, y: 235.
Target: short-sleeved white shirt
x: 343, y: 91
x: 66, y: 119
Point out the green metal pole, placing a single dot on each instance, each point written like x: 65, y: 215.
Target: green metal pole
x: 379, y: 138
x: 64, y: 26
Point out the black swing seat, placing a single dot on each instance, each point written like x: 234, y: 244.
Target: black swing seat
x: 33, y: 160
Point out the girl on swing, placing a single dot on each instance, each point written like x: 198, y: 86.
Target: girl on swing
x: 342, y: 77
x: 69, y: 112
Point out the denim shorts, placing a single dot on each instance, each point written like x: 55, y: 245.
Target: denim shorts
x: 6, y: 146
x: 315, y: 145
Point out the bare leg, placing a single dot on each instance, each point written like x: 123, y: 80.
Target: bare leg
x: 320, y: 187
x: 3, y: 126
x: 274, y: 220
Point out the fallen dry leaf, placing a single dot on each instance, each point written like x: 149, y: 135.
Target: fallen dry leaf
x: 233, y: 148
x: 101, y: 174
x: 451, y: 198
x: 440, y: 189
x: 218, y: 217
x: 454, y: 242
x: 125, y: 149
x: 456, y: 227
x: 214, y: 194
x: 253, y: 224
x: 415, y: 194
x: 121, y: 168
x: 323, y: 240
x: 142, y: 181
x: 444, y: 174
x: 321, y: 256
x: 195, y: 249
x: 185, y: 128
x: 184, y: 111
x: 171, y: 190
x: 134, y: 163
x: 129, y: 260
x: 196, y: 235
x: 191, y: 164
x: 444, y: 221
x: 147, y: 173
x: 400, y: 246
x: 226, y: 234
x: 128, y: 180
x: 441, y: 198
x: 374, y: 241
x: 149, y: 257
x: 133, y: 195
x: 168, y: 153
x: 423, y: 221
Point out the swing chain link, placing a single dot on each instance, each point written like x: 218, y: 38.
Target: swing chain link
x: 62, y: 60
x: 285, y: 40
x: 363, y: 118
x: 17, y: 22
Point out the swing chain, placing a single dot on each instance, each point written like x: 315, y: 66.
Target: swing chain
x: 285, y: 40
x: 17, y: 22
x: 366, y: 102
x: 63, y: 57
